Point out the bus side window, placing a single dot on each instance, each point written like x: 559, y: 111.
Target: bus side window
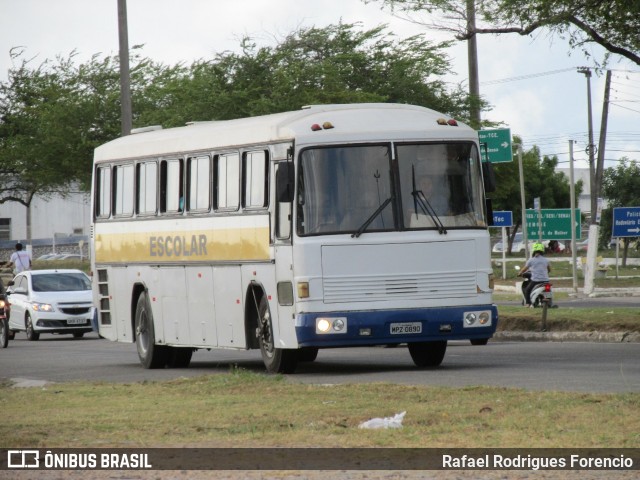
x: 103, y: 192
x: 198, y: 177
x: 255, y: 175
x: 227, y: 182
x: 171, y: 186
x: 123, y: 190
x: 147, y: 183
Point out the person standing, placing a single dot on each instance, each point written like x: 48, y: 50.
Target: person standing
x: 20, y: 259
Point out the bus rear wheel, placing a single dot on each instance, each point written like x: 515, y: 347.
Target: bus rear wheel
x: 150, y: 354
x: 427, y: 354
x: 277, y: 360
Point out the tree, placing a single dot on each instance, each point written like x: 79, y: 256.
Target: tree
x: 336, y: 64
x: 621, y: 187
x: 540, y: 179
x: 612, y: 24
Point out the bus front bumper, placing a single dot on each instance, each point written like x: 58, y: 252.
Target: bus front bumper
x: 380, y: 327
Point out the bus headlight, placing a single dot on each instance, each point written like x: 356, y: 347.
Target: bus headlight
x: 477, y: 319
x: 329, y: 325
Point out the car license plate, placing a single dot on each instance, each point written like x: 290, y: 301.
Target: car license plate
x: 405, y: 328
x: 76, y: 321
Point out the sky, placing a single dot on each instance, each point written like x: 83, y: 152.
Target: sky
x: 531, y: 82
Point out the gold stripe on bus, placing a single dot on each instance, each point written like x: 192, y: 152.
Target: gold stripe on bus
x: 239, y: 244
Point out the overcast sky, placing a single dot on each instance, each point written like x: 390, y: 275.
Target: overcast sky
x: 531, y: 82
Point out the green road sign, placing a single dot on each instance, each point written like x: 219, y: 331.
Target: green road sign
x: 555, y: 224
x: 496, y: 144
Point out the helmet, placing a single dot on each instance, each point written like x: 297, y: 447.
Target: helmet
x: 538, y: 247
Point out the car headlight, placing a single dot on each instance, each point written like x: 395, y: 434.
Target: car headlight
x: 42, y: 307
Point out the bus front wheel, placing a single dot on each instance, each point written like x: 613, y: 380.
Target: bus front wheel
x: 150, y: 354
x: 277, y: 360
x: 427, y: 354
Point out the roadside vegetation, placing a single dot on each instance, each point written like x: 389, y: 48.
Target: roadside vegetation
x: 244, y: 409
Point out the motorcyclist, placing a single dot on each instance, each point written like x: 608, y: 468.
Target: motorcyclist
x: 540, y: 267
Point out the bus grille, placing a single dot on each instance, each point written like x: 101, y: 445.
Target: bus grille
x: 401, y: 287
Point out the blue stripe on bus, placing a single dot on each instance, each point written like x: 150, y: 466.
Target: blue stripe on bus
x: 435, y: 326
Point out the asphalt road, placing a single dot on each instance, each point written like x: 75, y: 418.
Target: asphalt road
x: 568, y: 366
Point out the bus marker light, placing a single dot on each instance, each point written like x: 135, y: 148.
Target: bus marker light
x: 303, y: 289
x: 452, y: 122
x: 315, y: 127
x: 327, y: 125
x: 441, y: 121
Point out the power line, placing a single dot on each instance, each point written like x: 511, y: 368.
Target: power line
x: 527, y: 77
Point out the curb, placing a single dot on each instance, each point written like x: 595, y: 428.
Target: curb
x: 604, y: 337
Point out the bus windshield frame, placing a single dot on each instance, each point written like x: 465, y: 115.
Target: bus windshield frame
x: 356, y: 189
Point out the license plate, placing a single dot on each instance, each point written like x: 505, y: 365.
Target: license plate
x: 547, y: 294
x: 76, y: 321
x: 405, y: 328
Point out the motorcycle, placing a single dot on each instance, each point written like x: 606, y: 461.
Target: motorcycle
x: 541, y: 295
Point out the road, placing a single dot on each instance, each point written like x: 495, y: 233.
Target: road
x: 578, y: 367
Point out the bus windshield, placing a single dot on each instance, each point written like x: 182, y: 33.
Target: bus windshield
x: 355, y: 189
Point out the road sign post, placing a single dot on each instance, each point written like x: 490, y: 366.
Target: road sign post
x: 495, y: 145
x: 503, y: 219
x: 555, y: 224
x: 626, y: 222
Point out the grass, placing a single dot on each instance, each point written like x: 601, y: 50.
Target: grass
x: 247, y: 409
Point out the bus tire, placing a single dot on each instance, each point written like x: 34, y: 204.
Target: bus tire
x: 150, y: 354
x: 308, y: 354
x: 427, y: 354
x: 479, y: 341
x: 276, y: 360
x: 179, y: 357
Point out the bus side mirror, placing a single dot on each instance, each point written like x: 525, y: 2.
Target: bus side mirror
x: 284, y: 182
x: 489, y: 177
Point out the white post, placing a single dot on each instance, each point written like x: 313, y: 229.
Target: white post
x: 523, y: 205
x: 572, y: 193
x: 504, y: 253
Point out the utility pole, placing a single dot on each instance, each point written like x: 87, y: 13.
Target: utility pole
x: 603, y: 135
x: 572, y: 202
x: 586, y: 71
x: 472, y: 59
x: 592, y: 246
x: 125, y: 80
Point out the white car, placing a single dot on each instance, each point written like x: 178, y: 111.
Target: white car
x: 50, y: 301
x: 517, y: 247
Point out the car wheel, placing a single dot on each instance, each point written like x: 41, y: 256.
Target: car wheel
x: 427, y: 354
x: 277, y: 360
x: 31, y: 333
x: 150, y: 354
x: 4, y: 333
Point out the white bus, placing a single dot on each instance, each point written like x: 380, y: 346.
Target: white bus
x: 332, y: 226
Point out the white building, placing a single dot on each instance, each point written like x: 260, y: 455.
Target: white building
x: 50, y: 218
x: 584, y: 200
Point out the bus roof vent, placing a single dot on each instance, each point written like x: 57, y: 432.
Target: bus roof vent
x: 150, y: 128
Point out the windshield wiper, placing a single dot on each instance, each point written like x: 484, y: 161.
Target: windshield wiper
x: 371, y: 218
x: 419, y: 200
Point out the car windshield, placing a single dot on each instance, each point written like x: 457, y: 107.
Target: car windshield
x: 60, y: 282
x: 356, y: 189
